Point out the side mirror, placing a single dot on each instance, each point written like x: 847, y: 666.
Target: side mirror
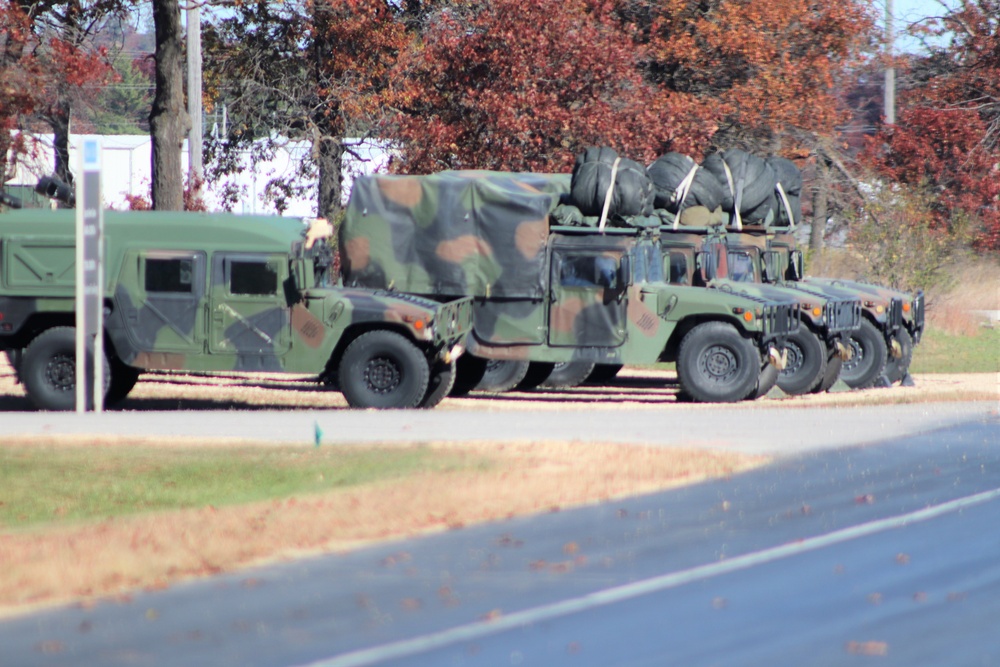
x: 770, y: 266
x: 796, y: 263
x: 703, y: 267
x: 625, y: 276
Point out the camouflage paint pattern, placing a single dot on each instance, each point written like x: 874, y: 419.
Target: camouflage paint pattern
x: 542, y: 292
x: 204, y: 292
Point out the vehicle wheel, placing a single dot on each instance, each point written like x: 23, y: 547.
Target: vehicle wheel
x: 502, y: 375
x: 382, y: 369
x: 806, y: 363
x: 469, y: 373
x: 715, y: 364
x: 895, y: 369
x: 538, y: 373
x: 48, y: 370
x: 765, y: 381
x: 568, y: 374
x: 603, y: 373
x: 834, y: 364
x: 442, y: 379
x: 123, y: 379
x: 868, y: 358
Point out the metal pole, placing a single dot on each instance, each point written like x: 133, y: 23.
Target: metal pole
x: 195, y: 170
x: 890, y: 71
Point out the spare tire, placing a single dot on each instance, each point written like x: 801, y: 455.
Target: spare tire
x: 670, y: 170
x: 631, y: 195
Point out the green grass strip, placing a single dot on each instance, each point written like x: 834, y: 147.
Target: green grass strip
x: 940, y: 352
x: 55, y: 485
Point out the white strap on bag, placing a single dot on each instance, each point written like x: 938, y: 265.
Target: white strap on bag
x: 607, y: 196
x: 786, y: 204
x: 681, y: 193
x: 732, y: 191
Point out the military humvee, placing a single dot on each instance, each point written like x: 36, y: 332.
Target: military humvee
x: 217, y: 292
x: 893, y: 324
x: 818, y: 350
x: 553, y: 293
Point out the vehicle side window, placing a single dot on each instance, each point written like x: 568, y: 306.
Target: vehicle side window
x: 252, y: 278
x: 589, y: 271
x: 678, y: 268
x: 169, y: 275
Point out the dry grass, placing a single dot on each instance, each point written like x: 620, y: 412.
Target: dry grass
x: 113, y: 557
x: 973, y: 284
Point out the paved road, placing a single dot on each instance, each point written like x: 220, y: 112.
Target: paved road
x: 779, y: 430
x: 838, y: 556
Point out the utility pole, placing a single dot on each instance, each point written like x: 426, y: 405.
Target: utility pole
x: 195, y: 169
x: 890, y: 71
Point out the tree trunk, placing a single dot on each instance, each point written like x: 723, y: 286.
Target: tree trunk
x: 820, y: 208
x: 59, y: 122
x: 331, y: 156
x: 168, y: 119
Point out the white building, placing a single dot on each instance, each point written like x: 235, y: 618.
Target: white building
x: 126, y: 162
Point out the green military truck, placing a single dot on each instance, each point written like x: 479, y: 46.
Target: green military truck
x: 217, y: 292
x: 553, y: 293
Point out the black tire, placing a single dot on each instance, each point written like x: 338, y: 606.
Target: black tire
x: 502, y: 375
x: 48, y: 370
x: 469, y: 373
x: 569, y: 374
x: 868, y: 359
x: 603, y: 373
x: 765, y: 381
x: 442, y: 379
x: 123, y: 379
x: 538, y: 372
x: 715, y: 364
x: 896, y: 369
x: 834, y: 364
x: 382, y: 369
x: 807, y: 357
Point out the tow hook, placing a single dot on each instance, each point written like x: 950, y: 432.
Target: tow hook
x: 454, y: 353
x: 778, y: 359
x: 845, y: 352
x: 895, y: 349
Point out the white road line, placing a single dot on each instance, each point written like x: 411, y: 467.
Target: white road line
x: 480, y: 629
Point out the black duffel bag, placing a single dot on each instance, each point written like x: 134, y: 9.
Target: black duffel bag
x: 669, y: 172
x: 632, y: 191
x: 749, y: 180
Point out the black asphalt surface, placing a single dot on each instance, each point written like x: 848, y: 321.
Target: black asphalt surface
x: 883, y: 554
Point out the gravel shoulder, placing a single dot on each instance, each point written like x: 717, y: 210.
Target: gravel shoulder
x: 99, y: 561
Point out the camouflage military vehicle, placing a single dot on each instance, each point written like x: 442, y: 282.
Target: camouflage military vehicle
x: 818, y: 349
x: 759, y: 202
x: 893, y: 320
x: 551, y: 293
x: 200, y: 292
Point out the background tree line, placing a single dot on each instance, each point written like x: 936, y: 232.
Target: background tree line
x: 527, y: 84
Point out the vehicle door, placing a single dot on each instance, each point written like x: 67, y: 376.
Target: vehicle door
x: 587, y: 297
x: 249, y: 306
x: 161, y: 295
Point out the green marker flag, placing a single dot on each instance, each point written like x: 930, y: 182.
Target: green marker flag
x: 317, y: 433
